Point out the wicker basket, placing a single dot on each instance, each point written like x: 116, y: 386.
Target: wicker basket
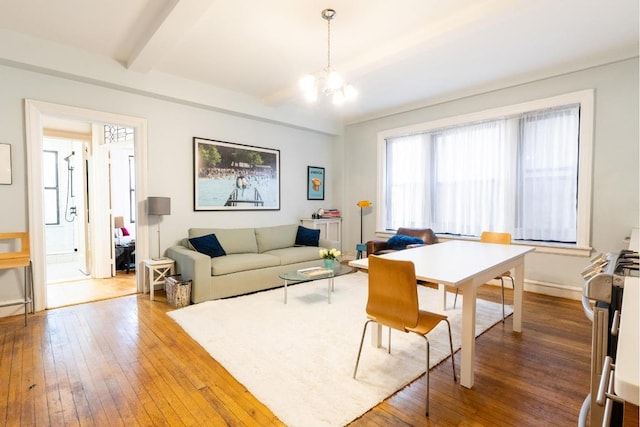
x: 178, y: 291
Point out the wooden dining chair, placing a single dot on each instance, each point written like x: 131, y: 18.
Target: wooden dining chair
x: 16, y: 259
x: 504, y: 239
x: 393, y: 302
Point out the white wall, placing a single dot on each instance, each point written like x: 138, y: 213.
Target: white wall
x: 171, y: 127
x: 615, y: 167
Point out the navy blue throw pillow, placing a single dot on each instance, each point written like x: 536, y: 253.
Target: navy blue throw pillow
x: 400, y: 241
x: 307, y: 237
x: 208, y: 245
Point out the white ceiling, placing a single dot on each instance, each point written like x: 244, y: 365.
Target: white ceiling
x: 398, y: 54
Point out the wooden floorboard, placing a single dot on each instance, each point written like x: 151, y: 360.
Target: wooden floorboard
x: 124, y: 362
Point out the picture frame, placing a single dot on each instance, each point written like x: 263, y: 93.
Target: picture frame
x: 234, y: 177
x: 315, y: 183
x: 5, y: 164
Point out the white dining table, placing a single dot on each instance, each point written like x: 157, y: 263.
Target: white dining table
x: 465, y: 265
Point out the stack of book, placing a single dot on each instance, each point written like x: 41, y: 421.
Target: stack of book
x: 314, y: 271
x: 331, y: 213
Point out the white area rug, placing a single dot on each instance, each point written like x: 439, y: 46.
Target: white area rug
x: 298, y: 358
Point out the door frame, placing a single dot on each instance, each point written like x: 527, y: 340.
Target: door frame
x: 34, y: 113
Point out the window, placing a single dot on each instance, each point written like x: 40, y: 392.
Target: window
x: 523, y: 169
x: 51, y: 187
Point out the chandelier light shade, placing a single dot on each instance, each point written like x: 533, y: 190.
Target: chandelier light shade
x: 328, y: 81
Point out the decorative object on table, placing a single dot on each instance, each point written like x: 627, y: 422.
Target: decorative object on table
x: 5, y: 164
x: 330, y: 257
x: 315, y: 183
x: 327, y: 81
x: 231, y: 176
x: 159, y: 206
x: 362, y: 204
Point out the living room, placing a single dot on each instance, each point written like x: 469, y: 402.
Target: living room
x: 172, y: 111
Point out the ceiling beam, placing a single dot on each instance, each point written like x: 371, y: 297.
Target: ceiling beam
x: 166, y: 32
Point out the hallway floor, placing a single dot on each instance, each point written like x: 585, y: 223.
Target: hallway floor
x: 87, y: 290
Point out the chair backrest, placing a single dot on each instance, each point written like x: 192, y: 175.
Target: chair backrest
x: 493, y: 237
x: 15, y: 258
x: 393, y: 292
x: 426, y: 234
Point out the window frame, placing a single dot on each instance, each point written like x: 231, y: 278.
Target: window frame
x: 585, y: 163
x: 55, y: 188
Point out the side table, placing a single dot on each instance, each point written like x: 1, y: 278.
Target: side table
x: 155, y: 272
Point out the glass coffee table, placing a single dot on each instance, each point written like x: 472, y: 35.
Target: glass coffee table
x: 298, y: 276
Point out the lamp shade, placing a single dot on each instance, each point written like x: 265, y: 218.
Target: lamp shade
x: 158, y: 205
x: 118, y: 222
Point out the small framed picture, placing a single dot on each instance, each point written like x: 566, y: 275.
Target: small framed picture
x: 5, y: 164
x: 315, y: 183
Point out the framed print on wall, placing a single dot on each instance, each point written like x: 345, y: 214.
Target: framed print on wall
x: 228, y: 176
x: 315, y: 183
x: 5, y: 163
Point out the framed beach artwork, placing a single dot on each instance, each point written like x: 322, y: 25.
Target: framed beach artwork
x: 230, y: 177
x: 315, y: 183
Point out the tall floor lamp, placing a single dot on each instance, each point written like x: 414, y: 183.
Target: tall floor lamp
x: 159, y: 206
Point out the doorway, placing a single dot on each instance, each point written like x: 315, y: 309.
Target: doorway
x: 99, y: 221
x: 67, y: 159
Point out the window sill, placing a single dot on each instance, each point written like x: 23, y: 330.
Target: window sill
x: 544, y: 248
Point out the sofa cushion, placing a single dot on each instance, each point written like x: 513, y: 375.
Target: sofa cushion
x: 277, y: 237
x: 307, y: 236
x: 400, y: 241
x: 296, y: 254
x: 208, y: 245
x: 242, y: 262
x: 233, y: 240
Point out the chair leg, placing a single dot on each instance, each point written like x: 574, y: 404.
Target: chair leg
x: 455, y: 299
x: 513, y: 285
x: 502, y: 283
x: 453, y: 362
x: 364, y: 331
x: 427, y: 347
x: 389, y: 345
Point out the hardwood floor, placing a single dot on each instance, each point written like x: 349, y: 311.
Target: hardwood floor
x: 124, y: 362
x: 89, y: 290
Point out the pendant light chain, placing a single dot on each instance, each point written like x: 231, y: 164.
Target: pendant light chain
x: 329, y: 44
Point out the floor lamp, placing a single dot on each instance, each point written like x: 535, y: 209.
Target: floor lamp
x: 159, y: 206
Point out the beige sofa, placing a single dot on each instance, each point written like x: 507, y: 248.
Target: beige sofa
x: 254, y: 259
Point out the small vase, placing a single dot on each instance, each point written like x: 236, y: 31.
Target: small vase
x: 328, y: 263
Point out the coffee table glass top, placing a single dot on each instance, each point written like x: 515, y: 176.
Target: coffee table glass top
x: 295, y: 276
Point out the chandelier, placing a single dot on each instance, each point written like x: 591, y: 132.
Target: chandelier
x: 327, y: 81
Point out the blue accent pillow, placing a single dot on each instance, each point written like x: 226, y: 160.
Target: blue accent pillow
x: 400, y: 241
x: 208, y: 245
x: 307, y: 237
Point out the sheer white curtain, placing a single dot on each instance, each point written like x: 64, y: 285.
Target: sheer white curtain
x: 548, y: 185
x: 516, y: 174
x: 407, y: 198
x: 473, y: 171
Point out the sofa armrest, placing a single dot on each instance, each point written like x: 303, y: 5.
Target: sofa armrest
x: 194, y: 266
x: 374, y: 246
